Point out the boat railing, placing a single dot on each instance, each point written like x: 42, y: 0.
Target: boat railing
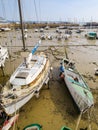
x: 7, y: 96
x: 12, y: 94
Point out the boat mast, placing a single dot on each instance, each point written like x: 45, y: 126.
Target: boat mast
x: 21, y: 23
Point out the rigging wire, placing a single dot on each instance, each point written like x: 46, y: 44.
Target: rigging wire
x: 36, y: 10
x: 4, y: 17
x: 11, y: 35
x: 89, y: 119
x: 39, y: 12
x: 23, y: 16
x: 3, y: 8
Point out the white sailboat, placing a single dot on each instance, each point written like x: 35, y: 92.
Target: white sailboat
x: 3, y: 55
x: 27, y: 80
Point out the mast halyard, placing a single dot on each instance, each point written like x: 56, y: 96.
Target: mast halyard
x: 21, y: 23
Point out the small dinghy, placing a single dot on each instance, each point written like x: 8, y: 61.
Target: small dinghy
x: 76, y: 85
x: 65, y: 128
x: 33, y: 127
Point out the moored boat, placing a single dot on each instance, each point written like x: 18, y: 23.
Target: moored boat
x: 91, y: 35
x: 25, y: 82
x: 65, y: 128
x: 6, y: 121
x: 33, y: 127
x: 76, y: 85
x: 96, y: 71
x: 28, y: 78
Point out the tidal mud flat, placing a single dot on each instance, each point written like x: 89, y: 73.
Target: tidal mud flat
x: 55, y: 107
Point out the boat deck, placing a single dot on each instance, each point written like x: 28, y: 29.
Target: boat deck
x: 75, y: 78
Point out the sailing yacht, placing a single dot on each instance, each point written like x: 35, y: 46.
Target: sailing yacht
x: 3, y: 55
x: 25, y: 82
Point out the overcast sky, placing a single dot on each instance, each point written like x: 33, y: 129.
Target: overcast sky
x: 51, y: 10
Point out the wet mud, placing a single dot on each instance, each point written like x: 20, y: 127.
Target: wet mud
x: 55, y: 107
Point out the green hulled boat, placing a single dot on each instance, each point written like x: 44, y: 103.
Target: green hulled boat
x: 33, y: 127
x: 76, y: 85
x: 65, y: 128
x: 92, y: 35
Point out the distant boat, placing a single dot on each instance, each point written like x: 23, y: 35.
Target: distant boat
x: 6, y: 121
x: 96, y: 71
x: 5, y: 29
x: 36, y: 30
x: 33, y: 127
x: 47, y: 27
x: 76, y: 85
x: 3, y: 55
x: 68, y: 32
x: 49, y: 37
x: 65, y: 128
x: 78, y: 31
x: 25, y: 35
x: 43, y: 37
x: 59, y: 37
x: 58, y: 30
x: 67, y: 36
x: 91, y: 35
x: 41, y: 30
x: 25, y: 30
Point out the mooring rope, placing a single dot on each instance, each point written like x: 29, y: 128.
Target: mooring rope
x: 78, y: 121
x: 15, y: 115
x: 89, y: 119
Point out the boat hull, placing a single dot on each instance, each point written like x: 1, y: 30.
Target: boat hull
x: 8, y: 124
x: 65, y: 128
x: 33, y: 126
x: 78, y: 89
x: 12, y: 107
x: 92, y: 35
x: 78, y: 98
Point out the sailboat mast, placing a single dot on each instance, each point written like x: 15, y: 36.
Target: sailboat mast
x: 21, y: 23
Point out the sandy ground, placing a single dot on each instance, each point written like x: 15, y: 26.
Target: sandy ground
x: 55, y: 107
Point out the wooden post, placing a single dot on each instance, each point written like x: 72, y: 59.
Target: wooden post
x: 66, y: 53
